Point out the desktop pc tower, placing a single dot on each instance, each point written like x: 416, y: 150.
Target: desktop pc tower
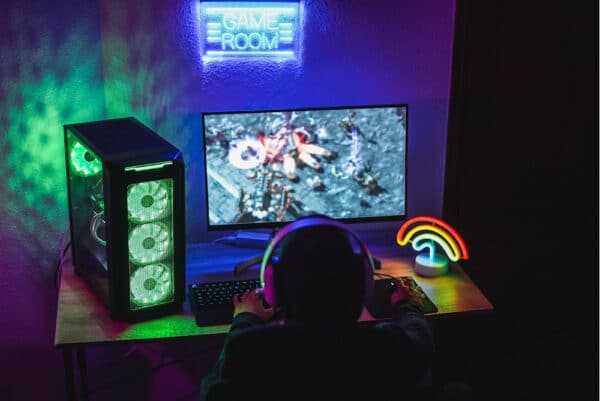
x: 126, y: 214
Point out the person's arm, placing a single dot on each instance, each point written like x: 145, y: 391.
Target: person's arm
x: 248, y: 312
x: 407, y: 303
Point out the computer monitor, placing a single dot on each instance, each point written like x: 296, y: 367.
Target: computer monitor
x: 268, y: 167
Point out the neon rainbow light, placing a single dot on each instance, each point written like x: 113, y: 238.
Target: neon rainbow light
x: 426, y: 231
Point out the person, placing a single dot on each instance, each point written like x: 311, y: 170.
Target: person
x: 312, y: 342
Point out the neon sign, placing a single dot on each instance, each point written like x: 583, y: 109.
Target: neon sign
x: 246, y: 29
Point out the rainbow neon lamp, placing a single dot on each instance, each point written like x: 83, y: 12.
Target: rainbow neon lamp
x: 432, y: 234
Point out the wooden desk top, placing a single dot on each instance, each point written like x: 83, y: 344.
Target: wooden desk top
x: 83, y: 319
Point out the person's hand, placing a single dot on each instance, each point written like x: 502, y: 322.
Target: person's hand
x: 252, y: 302
x: 407, y: 289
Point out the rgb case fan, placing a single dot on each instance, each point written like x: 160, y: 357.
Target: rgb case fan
x: 126, y: 210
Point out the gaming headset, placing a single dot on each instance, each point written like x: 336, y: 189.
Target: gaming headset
x: 270, y: 264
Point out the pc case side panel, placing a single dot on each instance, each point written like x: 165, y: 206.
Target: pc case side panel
x: 85, y: 176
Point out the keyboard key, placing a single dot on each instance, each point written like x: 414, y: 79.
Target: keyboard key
x: 212, y: 302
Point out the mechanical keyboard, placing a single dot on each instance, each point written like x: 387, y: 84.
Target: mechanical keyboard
x: 212, y: 302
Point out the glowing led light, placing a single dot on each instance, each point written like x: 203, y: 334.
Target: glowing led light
x: 150, y: 166
x: 438, y: 231
x: 147, y: 201
x: 430, y: 233
x: 150, y: 284
x: 148, y: 243
x: 282, y: 54
x: 428, y: 241
x: 232, y: 29
x: 83, y: 161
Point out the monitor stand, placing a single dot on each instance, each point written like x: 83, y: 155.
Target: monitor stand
x: 247, y: 239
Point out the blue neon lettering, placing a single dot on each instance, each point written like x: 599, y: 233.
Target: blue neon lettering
x: 256, y: 38
x: 248, y: 21
x: 257, y: 22
x: 243, y: 22
x: 274, y: 44
x: 244, y: 38
x: 227, y: 39
x: 250, y: 31
x: 254, y: 41
x: 229, y: 21
x: 271, y: 24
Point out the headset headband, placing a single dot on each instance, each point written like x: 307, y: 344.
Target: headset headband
x: 309, y: 222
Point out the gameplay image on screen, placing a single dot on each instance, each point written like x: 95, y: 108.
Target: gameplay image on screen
x: 271, y: 167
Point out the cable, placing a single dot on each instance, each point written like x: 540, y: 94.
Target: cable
x: 95, y: 223
x: 58, y: 269
x: 224, y: 240
x: 61, y: 259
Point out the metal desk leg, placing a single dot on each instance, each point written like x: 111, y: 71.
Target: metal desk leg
x: 83, y: 377
x: 69, y: 380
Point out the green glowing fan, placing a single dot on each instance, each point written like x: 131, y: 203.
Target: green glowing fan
x: 83, y: 161
x: 150, y: 284
x: 147, y: 201
x: 148, y: 243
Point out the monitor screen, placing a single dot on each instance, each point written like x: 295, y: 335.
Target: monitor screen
x: 267, y: 168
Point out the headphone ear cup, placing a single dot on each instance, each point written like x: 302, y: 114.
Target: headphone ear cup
x: 269, y: 285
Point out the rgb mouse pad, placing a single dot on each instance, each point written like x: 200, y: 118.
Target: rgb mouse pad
x: 379, y: 304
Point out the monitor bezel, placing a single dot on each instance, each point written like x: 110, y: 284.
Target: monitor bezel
x: 269, y: 225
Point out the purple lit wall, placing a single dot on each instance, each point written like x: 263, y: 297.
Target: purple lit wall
x: 70, y: 61
x: 353, y: 53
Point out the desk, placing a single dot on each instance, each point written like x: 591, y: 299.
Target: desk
x: 83, y: 320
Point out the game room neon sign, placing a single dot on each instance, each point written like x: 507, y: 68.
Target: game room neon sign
x: 249, y: 29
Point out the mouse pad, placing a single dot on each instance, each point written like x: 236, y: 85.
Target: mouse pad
x: 379, y: 304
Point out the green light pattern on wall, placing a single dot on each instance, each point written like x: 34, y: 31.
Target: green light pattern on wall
x: 51, y: 79
x: 147, y: 79
x: 142, y: 76
x: 139, y: 78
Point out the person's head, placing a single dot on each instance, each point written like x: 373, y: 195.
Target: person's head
x: 322, y: 272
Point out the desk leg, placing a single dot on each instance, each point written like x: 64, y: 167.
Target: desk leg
x: 83, y: 377
x: 69, y: 380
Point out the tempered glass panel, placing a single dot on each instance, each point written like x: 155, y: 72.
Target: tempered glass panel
x: 84, y: 171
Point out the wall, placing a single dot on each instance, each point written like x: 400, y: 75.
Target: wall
x: 72, y: 61
x: 50, y: 69
x: 353, y: 53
